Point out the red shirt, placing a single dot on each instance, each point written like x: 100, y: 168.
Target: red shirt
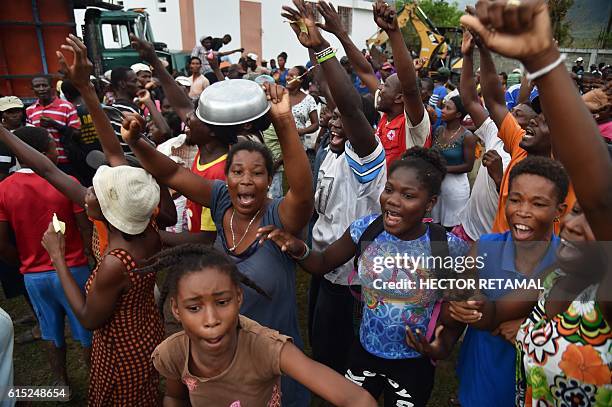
x: 27, y: 203
x: 392, y: 135
x: 63, y: 112
x: 199, y: 219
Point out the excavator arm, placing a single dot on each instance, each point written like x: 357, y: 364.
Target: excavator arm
x: 432, y: 42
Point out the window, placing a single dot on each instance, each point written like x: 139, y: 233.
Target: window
x: 115, y: 36
x: 346, y: 17
x: 162, y: 9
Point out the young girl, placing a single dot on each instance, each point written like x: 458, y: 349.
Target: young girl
x: 119, y: 306
x: 223, y: 358
x: 392, y: 333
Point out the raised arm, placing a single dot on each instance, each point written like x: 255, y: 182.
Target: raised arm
x: 467, y: 84
x: 78, y: 73
x: 226, y: 53
x: 567, y: 116
x: 360, y: 64
x: 41, y: 165
x: 165, y: 171
x: 386, y: 19
x: 177, y: 97
x: 144, y: 97
x: 492, y: 90
x: 356, y: 126
x: 296, y: 209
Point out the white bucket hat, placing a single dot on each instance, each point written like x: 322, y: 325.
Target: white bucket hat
x: 127, y: 196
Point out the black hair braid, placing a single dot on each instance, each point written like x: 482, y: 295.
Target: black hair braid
x: 429, y: 164
x: 192, y: 257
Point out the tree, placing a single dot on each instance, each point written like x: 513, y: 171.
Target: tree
x: 441, y: 12
x: 561, y: 29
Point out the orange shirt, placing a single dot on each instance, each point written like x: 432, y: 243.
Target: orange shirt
x: 512, y: 134
x: 199, y: 218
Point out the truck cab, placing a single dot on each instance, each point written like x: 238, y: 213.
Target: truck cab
x: 106, y: 35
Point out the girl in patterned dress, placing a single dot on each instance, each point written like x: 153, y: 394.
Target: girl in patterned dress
x: 223, y: 358
x: 565, y: 345
x: 400, y: 332
x: 119, y: 306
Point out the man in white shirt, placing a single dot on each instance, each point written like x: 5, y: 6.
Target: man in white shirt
x: 480, y: 211
x: 198, y: 82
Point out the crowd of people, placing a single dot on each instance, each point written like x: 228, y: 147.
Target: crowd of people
x: 191, y: 202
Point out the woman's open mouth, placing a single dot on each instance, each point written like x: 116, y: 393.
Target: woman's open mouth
x: 392, y: 218
x: 522, y: 232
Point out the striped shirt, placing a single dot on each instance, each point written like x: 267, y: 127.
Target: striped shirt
x: 343, y: 179
x: 63, y: 113
x: 115, y: 115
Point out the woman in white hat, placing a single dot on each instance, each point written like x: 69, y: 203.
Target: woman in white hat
x: 119, y: 304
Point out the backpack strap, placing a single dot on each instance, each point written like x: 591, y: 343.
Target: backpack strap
x: 439, y: 248
x: 374, y: 229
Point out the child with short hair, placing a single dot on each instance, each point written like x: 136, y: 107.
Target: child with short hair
x: 223, y: 358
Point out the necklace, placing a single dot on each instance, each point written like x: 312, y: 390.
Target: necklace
x: 235, y: 245
x: 450, y: 141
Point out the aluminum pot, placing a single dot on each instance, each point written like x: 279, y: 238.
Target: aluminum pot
x: 232, y: 102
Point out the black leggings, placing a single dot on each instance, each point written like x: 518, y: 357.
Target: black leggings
x: 404, y: 382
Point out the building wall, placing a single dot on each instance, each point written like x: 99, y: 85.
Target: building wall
x: 278, y: 36
x: 166, y: 25
x: 217, y: 18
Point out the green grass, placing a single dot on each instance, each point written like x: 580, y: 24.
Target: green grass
x: 32, y: 367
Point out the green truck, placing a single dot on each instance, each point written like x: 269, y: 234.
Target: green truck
x: 32, y: 30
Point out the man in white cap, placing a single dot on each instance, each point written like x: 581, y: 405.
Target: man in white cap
x: 143, y: 73
x: 578, y: 68
x: 12, y: 115
x: 254, y: 70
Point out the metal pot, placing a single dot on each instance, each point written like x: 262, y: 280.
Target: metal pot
x: 232, y: 102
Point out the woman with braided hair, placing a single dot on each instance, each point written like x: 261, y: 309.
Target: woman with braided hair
x: 223, y: 358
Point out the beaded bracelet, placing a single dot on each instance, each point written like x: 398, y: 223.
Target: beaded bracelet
x: 326, y: 58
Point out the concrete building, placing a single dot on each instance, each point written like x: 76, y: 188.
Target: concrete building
x: 255, y: 25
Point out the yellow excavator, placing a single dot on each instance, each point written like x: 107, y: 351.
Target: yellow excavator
x: 435, y: 48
